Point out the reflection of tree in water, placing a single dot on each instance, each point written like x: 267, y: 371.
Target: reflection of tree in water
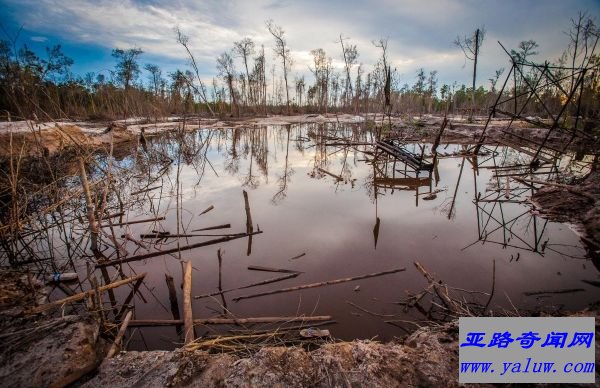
x: 287, y: 173
x: 250, y: 180
x: 232, y: 161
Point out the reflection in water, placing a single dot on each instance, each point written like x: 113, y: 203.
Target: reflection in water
x: 351, y: 208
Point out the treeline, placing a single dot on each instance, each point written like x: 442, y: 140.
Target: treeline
x: 43, y: 86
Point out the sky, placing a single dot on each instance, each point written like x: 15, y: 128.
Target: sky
x: 420, y: 33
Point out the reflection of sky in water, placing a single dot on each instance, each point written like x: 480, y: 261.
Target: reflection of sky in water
x: 333, y: 223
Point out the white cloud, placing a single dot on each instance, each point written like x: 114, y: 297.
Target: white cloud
x: 40, y: 39
x: 420, y: 33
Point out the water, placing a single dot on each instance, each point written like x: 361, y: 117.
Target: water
x: 300, y: 209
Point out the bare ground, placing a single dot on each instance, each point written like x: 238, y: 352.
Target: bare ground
x: 578, y: 204
x: 43, y: 138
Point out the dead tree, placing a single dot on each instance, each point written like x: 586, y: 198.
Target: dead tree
x: 200, y: 89
x: 227, y: 72
x: 244, y: 49
x: 470, y: 46
x: 283, y: 52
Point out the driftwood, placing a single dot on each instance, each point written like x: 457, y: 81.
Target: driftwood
x: 439, y: 289
x: 188, y: 320
x: 173, y: 299
x: 115, y: 346
x: 145, y: 190
x: 565, y: 291
x: 168, y: 235
x: 371, y: 312
x: 270, y: 269
x: 280, y: 329
x: 268, y: 281
x: 337, y: 177
x: 93, y: 225
x: 299, y: 256
x: 224, y: 226
x: 172, y: 250
x: 249, y: 227
x: 136, y: 222
x: 314, y: 285
x: 229, y: 321
x: 207, y: 210
x: 83, y: 295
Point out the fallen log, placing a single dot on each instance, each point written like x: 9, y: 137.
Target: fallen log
x: 313, y: 285
x: 83, y: 295
x: 228, y: 321
x: 173, y: 250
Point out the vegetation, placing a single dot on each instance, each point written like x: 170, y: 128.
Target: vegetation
x: 43, y: 87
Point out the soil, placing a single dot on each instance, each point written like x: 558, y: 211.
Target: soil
x: 40, y: 351
x: 427, y: 358
x: 578, y: 204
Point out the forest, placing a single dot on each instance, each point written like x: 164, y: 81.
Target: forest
x: 253, y: 82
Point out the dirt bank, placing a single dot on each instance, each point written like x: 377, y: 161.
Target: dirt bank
x: 428, y: 358
x: 578, y: 204
x: 39, y: 351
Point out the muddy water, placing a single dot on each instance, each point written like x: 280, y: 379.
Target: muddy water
x: 301, y: 209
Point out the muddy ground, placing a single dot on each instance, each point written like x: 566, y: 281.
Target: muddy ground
x: 577, y: 204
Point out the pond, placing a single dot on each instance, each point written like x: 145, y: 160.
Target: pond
x: 331, y: 210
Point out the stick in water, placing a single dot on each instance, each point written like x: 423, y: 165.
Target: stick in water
x: 313, y: 285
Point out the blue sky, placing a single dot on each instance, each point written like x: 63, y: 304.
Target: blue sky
x: 420, y: 32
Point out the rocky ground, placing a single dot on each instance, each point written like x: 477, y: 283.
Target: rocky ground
x: 40, y: 351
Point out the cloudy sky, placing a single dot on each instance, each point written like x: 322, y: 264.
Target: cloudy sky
x: 420, y: 32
